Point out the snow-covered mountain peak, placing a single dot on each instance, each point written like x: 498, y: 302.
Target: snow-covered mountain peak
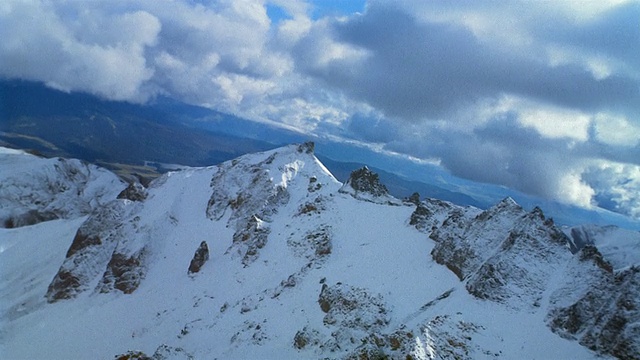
x: 112, y: 250
x: 256, y: 184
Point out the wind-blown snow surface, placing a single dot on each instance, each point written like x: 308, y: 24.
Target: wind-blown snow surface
x: 296, y: 269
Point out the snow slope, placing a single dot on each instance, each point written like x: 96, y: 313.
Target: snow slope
x: 298, y: 267
x: 34, y: 189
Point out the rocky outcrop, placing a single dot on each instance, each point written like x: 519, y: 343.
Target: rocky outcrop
x: 246, y: 189
x: 163, y: 352
x: 606, y: 318
x: 364, y: 184
x: 247, y: 242
x: 351, y: 307
x: 199, y: 258
x: 313, y: 245
x: 123, y: 273
x: 31, y: 217
x: 359, y: 321
x: 503, y: 252
x: 134, y: 192
x: 252, y: 198
x: 511, y: 256
x: 399, y: 344
x: 364, y: 180
x: 430, y: 213
x: 89, y: 253
x: 307, y: 338
x: 353, y: 314
x: 464, y: 243
x: 108, y: 249
x: 451, y: 337
x: 307, y: 147
x: 253, y: 189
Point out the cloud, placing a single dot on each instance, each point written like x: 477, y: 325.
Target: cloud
x: 504, y: 150
x: 618, y: 186
x: 424, y: 70
x: 616, y: 130
x: 78, y: 51
x: 541, y: 97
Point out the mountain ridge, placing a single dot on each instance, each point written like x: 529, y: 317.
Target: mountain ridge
x: 144, y: 141
x: 298, y: 268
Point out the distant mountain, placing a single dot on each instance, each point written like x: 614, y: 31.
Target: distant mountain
x: 125, y: 137
x: 269, y: 256
x: 144, y: 141
x: 54, y: 123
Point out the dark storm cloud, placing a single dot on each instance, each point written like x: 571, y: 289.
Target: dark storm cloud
x: 419, y: 69
x: 505, y: 153
x: 369, y: 129
x: 615, y: 33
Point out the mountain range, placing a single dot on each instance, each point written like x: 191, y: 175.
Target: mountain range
x: 268, y: 255
x: 144, y: 141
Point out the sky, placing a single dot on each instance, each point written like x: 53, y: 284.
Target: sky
x: 538, y: 96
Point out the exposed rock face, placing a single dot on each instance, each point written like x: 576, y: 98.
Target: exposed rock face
x: 247, y: 189
x: 606, y: 318
x: 248, y: 241
x: 64, y: 286
x: 357, y: 317
x: 430, y: 213
x: 82, y: 240
x: 351, y: 307
x: 504, y: 252
x: 123, y: 273
x: 590, y: 252
x: 352, y: 313
x: 464, y: 243
x: 306, y: 338
x: 364, y: 184
x: 108, y: 250
x: 199, y: 258
x: 163, y: 352
x: 414, y: 198
x: 314, y: 245
x: 134, y: 192
x: 252, y: 198
x: 254, y: 191
x: 90, y: 252
x: 307, y: 147
x: 364, y: 180
x: 452, y: 338
x: 31, y: 217
x: 399, y: 344
x: 508, y: 255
